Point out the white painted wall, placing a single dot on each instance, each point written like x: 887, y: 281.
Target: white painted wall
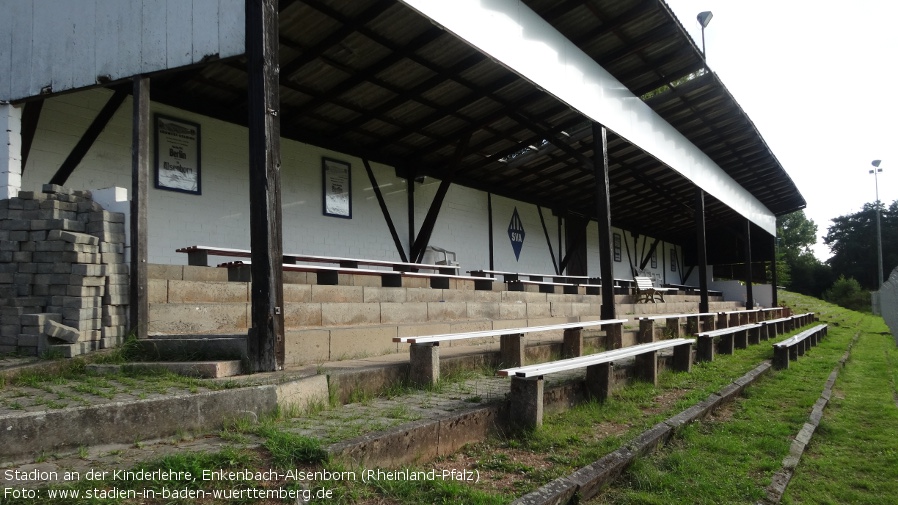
x: 10, y: 150
x: 62, y: 45
x: 220, y: 215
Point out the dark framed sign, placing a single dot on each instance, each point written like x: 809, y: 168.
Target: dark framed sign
x: 336, y: 188
x: 673, y: 260
x: 654, y: 259
x: 616, y: 245
x: 177, y: 155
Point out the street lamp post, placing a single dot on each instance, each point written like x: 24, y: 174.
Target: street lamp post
x: 703, y: 19
x: 875, y: 171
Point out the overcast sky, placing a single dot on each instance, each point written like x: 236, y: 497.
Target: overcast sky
x: 817, y: 79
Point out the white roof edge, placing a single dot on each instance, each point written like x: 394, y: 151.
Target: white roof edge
x: 515, y: 36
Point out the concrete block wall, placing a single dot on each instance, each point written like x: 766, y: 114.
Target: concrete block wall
x: 63, y: 280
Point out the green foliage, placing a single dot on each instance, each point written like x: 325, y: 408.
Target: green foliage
x: 797, y: 267
x: 848, y: 293
x: 852, y: 241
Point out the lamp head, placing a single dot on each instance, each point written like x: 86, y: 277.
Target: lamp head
x: 704, y: 18
x: 876, y: 163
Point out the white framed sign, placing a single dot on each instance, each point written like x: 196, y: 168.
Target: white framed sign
x: 336, y: 188
x: 177, y: 155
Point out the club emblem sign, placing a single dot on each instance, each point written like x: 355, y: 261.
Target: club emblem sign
x: 516, y: 234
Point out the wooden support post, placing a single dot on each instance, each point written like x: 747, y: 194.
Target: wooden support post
x: 603, y: 207
x: 701, y: 243
x: 646, y: 367
x: 740, y: 339
x: 708, y: 323
x: 139, y: 309
x: 424, y: 360
x: 600, y: 381
x: 780, y: 357
x: 705, y: 349
x: 673, y: 327
x: 511, y: 350
x: 682, y: 358
x: 722, y: 320
x: 749, y: 296
x: 646, y: 331
x: 572, y: 345
x: 614, y: 335
x: 726, y: 344
x: 526, y: 403
x: 754, y: 335
x: 265, y: 345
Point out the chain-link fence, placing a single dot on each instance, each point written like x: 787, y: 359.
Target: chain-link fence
x: 887, y: 303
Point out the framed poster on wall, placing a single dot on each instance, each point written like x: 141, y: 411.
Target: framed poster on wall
x: 177, y: 155
x: 336, y: 188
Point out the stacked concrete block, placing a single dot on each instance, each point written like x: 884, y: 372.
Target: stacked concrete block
x: 63, y: 281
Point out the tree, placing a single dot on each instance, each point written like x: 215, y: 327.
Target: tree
x: 797, y: 267
x: 852, y: 241
x: 848, y: 293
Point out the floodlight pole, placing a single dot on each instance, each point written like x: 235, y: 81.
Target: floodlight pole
x: 875, y: 171
x: 703, y: 19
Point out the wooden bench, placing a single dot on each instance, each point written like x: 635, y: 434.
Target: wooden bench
x: 592, y: 284
x: 672, y: 324
x: 737, y: 317
x: 775, y: 327
x: 550, y: 287
x: 239, y: 271
x: 424, y: 352
x: 793, y: 347
x: 527, y: 383
x: 730, y: 338
x: 198, y: 255
x: 647, y: 292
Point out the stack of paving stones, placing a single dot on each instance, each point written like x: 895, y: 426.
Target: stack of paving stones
x: 63, y: 280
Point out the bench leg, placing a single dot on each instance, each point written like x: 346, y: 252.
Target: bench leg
x: 726, y: 344
x: 803, y: 347
x: 646, y: 367
x: 692, y: 325
x: 741, y: 339
x: 526, y: 403
x: 485, y: 285
x: 722, y: 321
x: 425, y: 364
x: 198, y: 258
x: 705, y: 350
x: 763, y: 331
x: 543, y: 288
x: 439, y: 283
x: 614, y: 335
x: 793, y: 353
x: 780, y: 357
x: 391, y: 280
x: 708, y: 323
x: 599, y: 380
x: 328, y: 278
x: 646, y: 331
x: 241, y: 273
x: 682, y: 358
x: 572, y: 346
x: 511, y: 349
x: 754, y: 336
x: 673, y: 328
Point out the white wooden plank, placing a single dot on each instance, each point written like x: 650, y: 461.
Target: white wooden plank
x: 81, y: 24
x: 130, y: 39
x: 205, y: 29
x: 42, y: 57
x: 6, y: 49
x: 178, y: 39
x: 153, y: 31
x: 108, y: 27
x: 231, y: 28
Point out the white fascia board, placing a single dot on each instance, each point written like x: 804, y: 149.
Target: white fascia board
x: 515, y: 36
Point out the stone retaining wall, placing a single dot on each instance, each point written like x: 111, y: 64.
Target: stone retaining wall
x: 63, y: 280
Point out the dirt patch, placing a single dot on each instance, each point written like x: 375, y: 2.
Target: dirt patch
x: 722, y: 414
x: 665, y: 401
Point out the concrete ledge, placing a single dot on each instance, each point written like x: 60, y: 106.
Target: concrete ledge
x: 558, y: 492
x: 31, y: 434
x: 201, y: 369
